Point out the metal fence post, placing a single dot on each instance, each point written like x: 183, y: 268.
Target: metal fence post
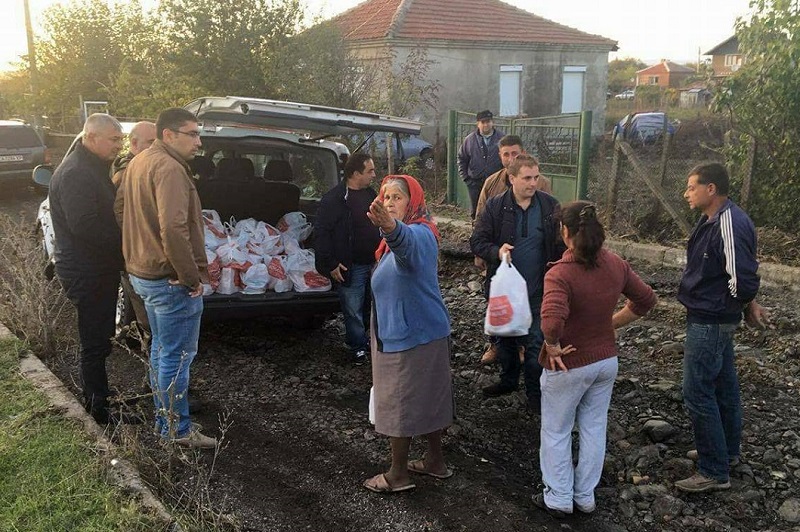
x: 583, y: 155
x: 452, y: 151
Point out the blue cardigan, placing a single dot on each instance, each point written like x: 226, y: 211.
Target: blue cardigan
x: 405, y: 287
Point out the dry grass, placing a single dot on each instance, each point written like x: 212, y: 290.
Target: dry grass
x: 32, y: 306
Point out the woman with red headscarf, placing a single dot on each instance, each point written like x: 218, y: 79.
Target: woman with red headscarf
x: 412, y: 387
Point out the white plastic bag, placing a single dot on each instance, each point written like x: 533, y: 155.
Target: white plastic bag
x: 508, y: 312
x: 372, y: 405
x: 214, y: 272
x: 248, y: 225
x: 212, y: 241
x: 304, y: 275
x: 230, y: 253
x: 227, y: 282
x: 278, y: 276
x: 212, y: 221
x: 265, y: 240
x: 295, y: 224
x: 291, y: 219
x: 291, y: 245
x: 255, y: 279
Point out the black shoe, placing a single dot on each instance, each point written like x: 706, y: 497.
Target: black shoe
x: 116, y: 417
x: 360, y: 357
x: 538, y: 501
x: 498, y: 389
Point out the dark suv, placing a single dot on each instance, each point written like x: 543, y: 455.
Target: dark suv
x: 262, y: 159
x: 21, y: 150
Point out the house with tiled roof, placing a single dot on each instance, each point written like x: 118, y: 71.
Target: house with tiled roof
x: 487, y: 54
x: 665, y: 74
x: 725, y: 57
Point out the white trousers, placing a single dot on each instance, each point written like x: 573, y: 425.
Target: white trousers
x: 583, y: 395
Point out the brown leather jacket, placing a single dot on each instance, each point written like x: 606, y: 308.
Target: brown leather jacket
x: 159, y: 211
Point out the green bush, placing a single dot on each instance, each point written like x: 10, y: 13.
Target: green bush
x: 761, y: 101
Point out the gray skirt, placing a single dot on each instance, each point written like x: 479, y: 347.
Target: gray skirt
x: 412, y: 390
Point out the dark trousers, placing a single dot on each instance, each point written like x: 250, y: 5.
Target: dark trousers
x: 95, y: 298
x: 508, y: 356
x: 474, y: 188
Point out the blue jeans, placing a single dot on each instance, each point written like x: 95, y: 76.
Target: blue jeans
x: 711, y: 395
x: 508, y: 356
x: 175, y: 326
x: 355, y: 300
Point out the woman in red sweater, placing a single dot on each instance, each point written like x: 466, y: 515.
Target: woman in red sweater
x: 579, y: 356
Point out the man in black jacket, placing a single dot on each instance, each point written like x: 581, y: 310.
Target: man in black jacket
x: 523, y: 220
x: 88, y: 250
x: 345, y: 242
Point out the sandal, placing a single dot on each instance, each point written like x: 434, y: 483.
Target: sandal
x: 418, y: 466
x: 379, y: 484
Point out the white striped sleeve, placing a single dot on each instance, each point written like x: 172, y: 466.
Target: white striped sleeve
x: 726, y: 228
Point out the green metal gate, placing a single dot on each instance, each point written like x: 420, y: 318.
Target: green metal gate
x: 561, y: 143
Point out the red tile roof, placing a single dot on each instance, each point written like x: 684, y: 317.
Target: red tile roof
x: 666, y: 66
x: 457, y: 20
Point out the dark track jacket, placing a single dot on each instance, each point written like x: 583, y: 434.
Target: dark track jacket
x: 721, y: 276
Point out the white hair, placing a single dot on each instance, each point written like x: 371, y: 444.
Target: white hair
x: 396, y: 182
x: 99, y: 122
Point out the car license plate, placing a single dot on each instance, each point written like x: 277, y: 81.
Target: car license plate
x: 10, y: 158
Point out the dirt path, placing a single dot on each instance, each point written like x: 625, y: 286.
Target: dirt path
x: 299, y: 443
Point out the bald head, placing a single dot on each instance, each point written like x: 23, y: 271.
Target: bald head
x: 102, y: 135
x: 142, y: 136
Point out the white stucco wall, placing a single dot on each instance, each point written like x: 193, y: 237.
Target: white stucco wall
x: 470, y: 77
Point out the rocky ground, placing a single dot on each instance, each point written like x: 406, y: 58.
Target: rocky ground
x: 297, y: 443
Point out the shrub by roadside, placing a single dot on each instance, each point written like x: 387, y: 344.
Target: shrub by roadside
x: 49, y: 477
x: 33, y: 307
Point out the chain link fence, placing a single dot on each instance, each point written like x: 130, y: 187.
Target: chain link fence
x: 636, y: 210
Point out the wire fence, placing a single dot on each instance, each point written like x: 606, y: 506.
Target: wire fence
x: 636, y: 210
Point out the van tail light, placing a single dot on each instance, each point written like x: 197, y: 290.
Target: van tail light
x: 48, y: 156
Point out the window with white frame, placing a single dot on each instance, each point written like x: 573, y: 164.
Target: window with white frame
x: 733, y: 60
x: 510, y: 89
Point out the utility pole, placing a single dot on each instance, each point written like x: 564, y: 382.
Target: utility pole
x: 697, y: 70
x: 34, y: 74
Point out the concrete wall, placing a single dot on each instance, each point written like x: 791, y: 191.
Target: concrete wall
x: 470, y: 78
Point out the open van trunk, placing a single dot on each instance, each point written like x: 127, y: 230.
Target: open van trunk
x: 262, y: 159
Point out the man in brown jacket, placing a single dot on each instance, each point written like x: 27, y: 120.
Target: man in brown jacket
x: 162, y: 240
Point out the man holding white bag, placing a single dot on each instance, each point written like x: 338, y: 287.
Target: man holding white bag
x: 520, y: 223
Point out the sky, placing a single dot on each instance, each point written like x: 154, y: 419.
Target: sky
x: 649, y: 30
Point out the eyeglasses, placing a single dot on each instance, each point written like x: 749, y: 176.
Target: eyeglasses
x: 193, y: 134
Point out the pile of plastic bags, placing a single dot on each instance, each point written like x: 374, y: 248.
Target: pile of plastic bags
x: 252, y: 257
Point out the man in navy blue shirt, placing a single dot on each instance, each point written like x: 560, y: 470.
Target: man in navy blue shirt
x: 720, y: 282
x: 522, y: 222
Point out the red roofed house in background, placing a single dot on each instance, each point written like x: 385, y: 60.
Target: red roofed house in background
x: 665, y: 74
x: 487, y: 55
